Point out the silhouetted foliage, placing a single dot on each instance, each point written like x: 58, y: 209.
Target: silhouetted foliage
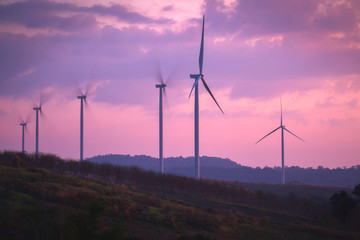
x: 173, y: 184
x: 48, y: 198
x: 84, y: 225
x: 356, y: 192
x: 342, y: 205
x: 195, y: 237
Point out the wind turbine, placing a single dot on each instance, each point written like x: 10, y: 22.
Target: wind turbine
x: 23, y: 125
x: 37, y: 109
x: 82, y: 96
x: 162, y: 91
x: 196, y: 77
x: 82, y: 99
x: 282, y: 127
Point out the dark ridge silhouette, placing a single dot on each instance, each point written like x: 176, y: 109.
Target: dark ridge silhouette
x: 45, y: 197
x: 225, y: 169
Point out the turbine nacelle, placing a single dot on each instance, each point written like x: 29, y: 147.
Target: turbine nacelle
x: 23, y: 124
x: 160, y: 85
x: 37, y: 108
x: 81, y: 97
x: 196, y: 75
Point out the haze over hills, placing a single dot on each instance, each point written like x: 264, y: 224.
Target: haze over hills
x: 225, y: 169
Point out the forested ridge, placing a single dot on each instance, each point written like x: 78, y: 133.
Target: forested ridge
x: 225, y: 169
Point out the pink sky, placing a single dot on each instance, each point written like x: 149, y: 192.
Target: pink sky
x: 307, y: 52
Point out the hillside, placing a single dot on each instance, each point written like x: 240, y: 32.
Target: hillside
x: 48, y: 198
x: 225, y: 169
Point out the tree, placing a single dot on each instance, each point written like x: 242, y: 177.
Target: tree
x: 342, y: 205
x: 356, y: 192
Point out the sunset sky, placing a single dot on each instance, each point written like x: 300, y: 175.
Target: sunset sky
x: 305, y: 51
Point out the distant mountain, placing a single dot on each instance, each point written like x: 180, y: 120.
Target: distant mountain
x: 225, y: 169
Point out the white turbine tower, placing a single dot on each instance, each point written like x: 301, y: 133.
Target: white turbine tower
x: 162, y: 92
x: 82, y: 99
x: 161, y: 157
x: 37, y: 109
x: 90, y: 88
x: 23, y: 125
x: 196, y: 112
x: 282, y: 127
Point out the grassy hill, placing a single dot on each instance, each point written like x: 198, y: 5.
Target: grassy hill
x: 49, y: 198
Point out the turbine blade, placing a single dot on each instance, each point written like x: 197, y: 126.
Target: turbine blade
x: 78, y: 90
x: 201, y: 55
x: 280, y: 111
x: 28, y: 117
x: 170, y: 79
x: 158, y: 74
x: 90, y: 89
x: 268, y: 135
x: 166, y: 102
x: 294, y: 134
x: 164, y: 93
x: 44, y: 97
x: 43, y: 116
x: 196, y: 81
x: 21, y: 120
x: 86, y: 104
x: 209, y: 91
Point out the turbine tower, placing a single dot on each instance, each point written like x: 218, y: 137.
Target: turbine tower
x: 161, y: 157
x: 90, y: 88
x: 82, y: 98
x: 282, y: 127
x: 196, y: 77
x: 37, y: 109
x: 23, y: 125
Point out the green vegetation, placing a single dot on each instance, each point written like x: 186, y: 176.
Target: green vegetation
x: 49, y: 198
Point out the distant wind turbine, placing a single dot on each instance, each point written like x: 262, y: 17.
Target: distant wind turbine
x: 162, y: 91
x: 82, y: 99
x: 196, y: 114
x: 37, y: 109
x: 82, y: 96
x: 282, y: 127
x: 23, y: 125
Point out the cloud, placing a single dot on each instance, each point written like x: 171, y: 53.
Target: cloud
x: 168, y: 8
x: 283, y: 48
x: 46, y: 14
x: 68, y: 17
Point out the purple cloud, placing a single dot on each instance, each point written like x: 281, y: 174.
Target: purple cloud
x: 126, y: 56
x: 43, y: 14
